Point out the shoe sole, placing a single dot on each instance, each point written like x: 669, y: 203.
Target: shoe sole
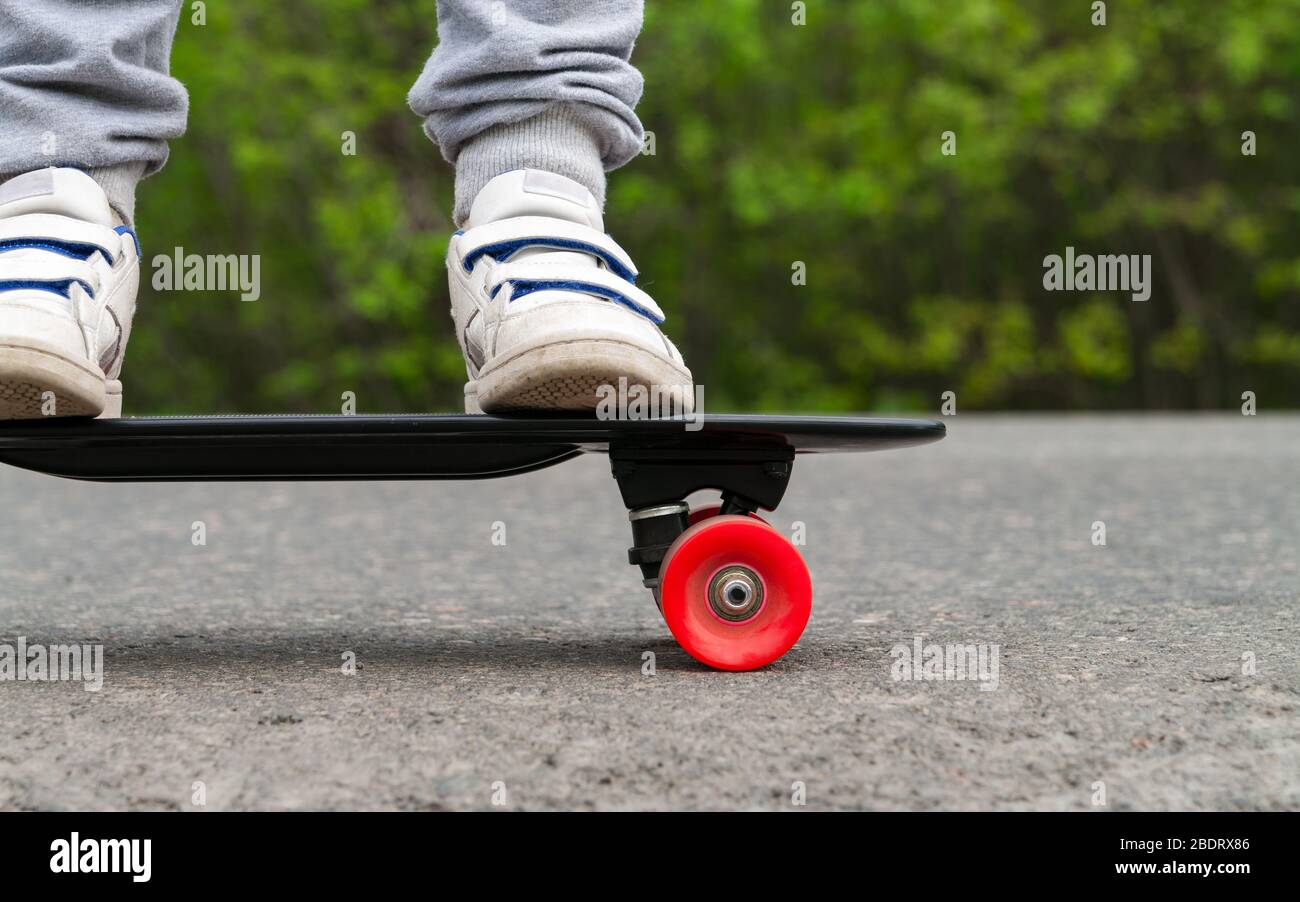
x: 566, y: 376
x: 30, y: 378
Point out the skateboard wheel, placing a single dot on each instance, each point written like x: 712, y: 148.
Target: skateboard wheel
x: 705, y: 511
x: 735, y: 593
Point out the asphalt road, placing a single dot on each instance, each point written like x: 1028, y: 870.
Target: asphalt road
x: 1128, y: 665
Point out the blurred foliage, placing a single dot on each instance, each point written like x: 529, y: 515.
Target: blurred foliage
x: 775, y: 144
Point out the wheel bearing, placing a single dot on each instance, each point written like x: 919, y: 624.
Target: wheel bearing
x: 736, y: 593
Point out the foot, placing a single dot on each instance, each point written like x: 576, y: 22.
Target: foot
x: 545, y: 307
x: 69, y: 271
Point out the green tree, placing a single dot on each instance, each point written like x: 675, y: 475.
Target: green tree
x: 775, y: 144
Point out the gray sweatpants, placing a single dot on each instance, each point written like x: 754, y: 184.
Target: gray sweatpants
x: 543, y: 84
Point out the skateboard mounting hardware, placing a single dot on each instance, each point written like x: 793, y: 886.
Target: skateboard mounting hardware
x: 735, y: 504
x: 654, y: 529
x: 749, y: 478
x: 653, y: 482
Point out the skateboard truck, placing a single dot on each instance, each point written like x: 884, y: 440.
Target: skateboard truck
x: 653, y: 483
x: 654, y: 529
x: 734, y: 592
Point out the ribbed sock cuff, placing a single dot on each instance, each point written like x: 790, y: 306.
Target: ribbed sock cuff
x: 119, y: 184
x: 554, y: 141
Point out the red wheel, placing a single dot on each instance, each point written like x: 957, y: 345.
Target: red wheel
x: 735, y: 593
x: 705, y: 511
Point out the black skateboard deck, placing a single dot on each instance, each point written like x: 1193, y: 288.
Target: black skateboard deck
x: 735, y: 592
x: 410, y: 446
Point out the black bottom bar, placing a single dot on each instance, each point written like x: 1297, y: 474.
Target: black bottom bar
x: 941, y: 852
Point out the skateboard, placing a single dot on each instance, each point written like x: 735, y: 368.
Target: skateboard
x: 735, y: 593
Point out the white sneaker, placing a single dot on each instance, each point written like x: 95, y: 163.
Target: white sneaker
x: 68, y: 280
x: 545, y: 307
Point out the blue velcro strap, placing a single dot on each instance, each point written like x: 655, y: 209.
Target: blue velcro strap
x: 71, y: 249
x: 522, y: 287
x: 127, y: 230
x: 61, y: 287
x: 504, y: 250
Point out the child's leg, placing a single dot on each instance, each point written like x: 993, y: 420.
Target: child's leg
x: 533, y: 101
x: 86, y: 84
x: 532, y: 84
x: 87, y: 107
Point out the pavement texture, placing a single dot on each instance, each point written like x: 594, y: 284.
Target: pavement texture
x: 1161, y: 669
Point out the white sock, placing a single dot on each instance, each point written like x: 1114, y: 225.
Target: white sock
x: 554, y: 141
